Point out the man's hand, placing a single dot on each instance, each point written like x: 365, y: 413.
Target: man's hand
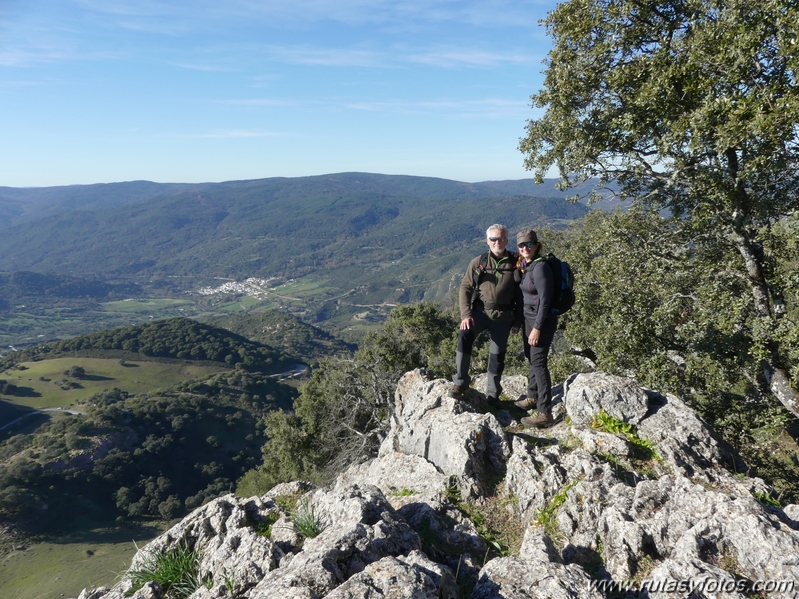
x: 535, y: 335
x: 467, y: 323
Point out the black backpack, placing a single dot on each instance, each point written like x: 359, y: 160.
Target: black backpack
x: 563, y: 284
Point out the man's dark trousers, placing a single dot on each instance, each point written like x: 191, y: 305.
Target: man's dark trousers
x: 499, y: 330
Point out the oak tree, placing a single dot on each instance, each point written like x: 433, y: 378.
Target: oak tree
x: 690, y: 108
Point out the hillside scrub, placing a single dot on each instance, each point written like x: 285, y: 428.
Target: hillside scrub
x: 285, y: 333
x: 153, y: 454
x: 668, y: 308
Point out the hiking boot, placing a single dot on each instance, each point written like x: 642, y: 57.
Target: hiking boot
x: 457, y: 391
x: 494, y: 402
x: 538, y: 420
x: 528, y: 403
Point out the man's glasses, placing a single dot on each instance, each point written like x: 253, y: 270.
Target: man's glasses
x: 497, y: 239
x: 527, y: 244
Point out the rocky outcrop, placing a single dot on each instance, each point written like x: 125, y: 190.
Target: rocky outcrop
x: 663, y: 509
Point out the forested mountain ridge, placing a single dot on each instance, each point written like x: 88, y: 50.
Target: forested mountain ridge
x: 274, y: 226
x: 19, y: 205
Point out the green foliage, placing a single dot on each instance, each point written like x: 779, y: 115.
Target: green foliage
x: 288, y: 454
x: 649, y: 304
x: 766, y: 499
x: 175, y: 570
x: 546, y: 516
x: 689, y: 110
x: 404, y: 493
x: 159, y: 460
x: 607, y: 423
x: 284, y: 332
x: 7, y: 388
x: 307, y: 523
x: 264, y: 527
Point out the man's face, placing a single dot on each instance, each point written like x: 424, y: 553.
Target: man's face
x: 496, y: 242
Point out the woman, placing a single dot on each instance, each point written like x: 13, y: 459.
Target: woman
x: 537, y: 283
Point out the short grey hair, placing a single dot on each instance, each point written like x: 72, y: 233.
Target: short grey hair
x: 497, y: 227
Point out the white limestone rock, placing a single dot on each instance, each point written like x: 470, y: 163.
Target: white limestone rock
x: 587, y: 393
x: 515, y: 578
x: 412, y: 577
x: 447, y: 433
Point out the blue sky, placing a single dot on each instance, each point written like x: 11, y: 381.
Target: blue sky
x: 176, y: 91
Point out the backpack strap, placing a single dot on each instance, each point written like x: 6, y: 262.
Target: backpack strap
x: 481, y: 268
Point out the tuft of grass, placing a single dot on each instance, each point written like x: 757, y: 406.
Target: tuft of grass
x: 176, y: 571
x: 451, y: 492
x: 307, y: 523
x: 766, y: 499
x: 288, y: 502
x: 495, y: 519
x: 403, y: 493
x: 264, y: 527
x: 607, y: 423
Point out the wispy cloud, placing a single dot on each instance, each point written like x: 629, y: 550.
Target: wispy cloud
x: 235, y: 134
x: 201, y: 67
x: 46, y: 53
x: 175, y: 15
x: 471, y: 58
x: 329, y: 57
x: 485, y: 108
x: 260, y: 102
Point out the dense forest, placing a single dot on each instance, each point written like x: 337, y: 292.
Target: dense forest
x: 156, y: 454
x: 284, y: 332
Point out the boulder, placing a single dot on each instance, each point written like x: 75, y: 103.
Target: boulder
x: 587, y: 393
x: 515, y: 578
x: 446, y: 432
x: 411, y: 577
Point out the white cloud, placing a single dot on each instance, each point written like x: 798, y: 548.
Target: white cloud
x: 174, y: 15
x: 200, y: 67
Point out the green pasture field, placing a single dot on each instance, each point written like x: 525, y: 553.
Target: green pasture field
x: 241, y: 305
x: 146, y: 305
x: 36, y: 386
x: 304, y: 288
x: 63, y: 567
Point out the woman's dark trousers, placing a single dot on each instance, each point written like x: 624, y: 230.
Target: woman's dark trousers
x: 539, y: 384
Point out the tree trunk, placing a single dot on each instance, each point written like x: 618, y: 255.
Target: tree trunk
x: 780, y: 386
x: 777, y: 378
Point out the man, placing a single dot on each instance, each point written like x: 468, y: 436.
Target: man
x: 490, y: 299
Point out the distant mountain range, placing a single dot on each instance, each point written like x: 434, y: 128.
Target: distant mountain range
x: 343, y: 246
x: 265, y: 227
